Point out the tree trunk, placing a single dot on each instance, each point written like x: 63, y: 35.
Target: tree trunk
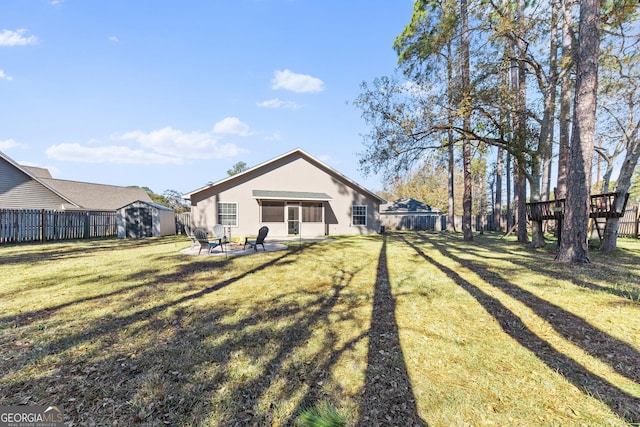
x: 541, y: 170
x: 497, y: 204
x: 509, y: 209
x: 574, y: 245
x: 610, y: 238
x: 451, y: 214
x: 565, y: 101
x: 521, y: 210
x: 521, y: 128
x: 466, y: 144
x: 548, y: 120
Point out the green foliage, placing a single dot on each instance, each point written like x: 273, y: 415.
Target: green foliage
x: 175, y: 201
x: 169, y: 198
x: 321, y: 415
x: 427, y: 184
x: 237, y: 168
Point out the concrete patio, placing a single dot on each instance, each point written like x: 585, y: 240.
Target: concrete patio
x: 235, y: 249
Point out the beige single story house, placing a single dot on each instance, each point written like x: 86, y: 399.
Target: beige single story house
x: 294, y: 194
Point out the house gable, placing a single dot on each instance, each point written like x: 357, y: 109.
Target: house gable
x: 27, y: 187
x: 294, y: 184
x: 19, y: 189
x: 274, y: 164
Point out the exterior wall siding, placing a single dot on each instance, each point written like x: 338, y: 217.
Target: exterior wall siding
x: 295, y: 174
x: 19, y: 191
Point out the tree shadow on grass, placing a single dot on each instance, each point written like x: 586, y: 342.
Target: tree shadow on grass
x: 388, y: 397
x: 43, y: 251
x: 620, y: 402
x: 206, y: 361
x: 144, y: 279
x: 106, y: 326
x: 551, y: 268
x: 620, y: 356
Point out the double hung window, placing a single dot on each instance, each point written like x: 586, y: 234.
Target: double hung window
x: 228, y: 214
x: 359, y: 215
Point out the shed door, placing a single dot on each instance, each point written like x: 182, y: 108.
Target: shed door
x: 138, y: 222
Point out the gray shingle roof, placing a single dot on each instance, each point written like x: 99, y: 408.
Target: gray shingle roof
x: 38, y: 172
x: 97, y: 196
x: 407, y: 205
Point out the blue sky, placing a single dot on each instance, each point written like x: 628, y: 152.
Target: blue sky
x: 171, y: 94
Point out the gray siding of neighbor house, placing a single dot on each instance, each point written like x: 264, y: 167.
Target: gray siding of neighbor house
x: 19, y: 191
x: 292, y: 173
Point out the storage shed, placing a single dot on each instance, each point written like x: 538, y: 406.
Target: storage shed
x: 145, y: 219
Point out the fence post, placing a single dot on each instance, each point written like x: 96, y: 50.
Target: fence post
x: 43, y: 224
x: 87, y: 225
x: 636, y: 224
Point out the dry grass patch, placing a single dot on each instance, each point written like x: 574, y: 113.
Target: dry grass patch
x: 402, y: 329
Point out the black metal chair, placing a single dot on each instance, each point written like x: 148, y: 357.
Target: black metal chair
x: 203, y: 239
x: 262, y: 234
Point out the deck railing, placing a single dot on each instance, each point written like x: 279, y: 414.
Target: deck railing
x: 602, y: 206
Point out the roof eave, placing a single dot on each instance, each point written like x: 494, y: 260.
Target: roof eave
x: 187, y: 196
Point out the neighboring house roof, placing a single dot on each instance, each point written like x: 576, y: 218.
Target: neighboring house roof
x: 80, y: 195
x: 38, y: 172
x: 97, y: 196
x: 406, y: 206
x: 292, y: 153
x: 34, y: 177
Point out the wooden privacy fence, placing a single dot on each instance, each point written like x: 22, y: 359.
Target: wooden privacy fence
x: 411, y: 222
x: 32, y: 225
x: 182, y: 219
x: 629, y: 225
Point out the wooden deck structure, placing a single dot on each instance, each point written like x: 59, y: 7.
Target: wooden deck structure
x: 602, y: 206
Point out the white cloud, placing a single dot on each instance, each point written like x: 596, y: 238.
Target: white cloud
x: 278, y: 103
x: 294, y: 82
x: 3, y: 76
x: 114, y: 39
x: 16, y: 38
x: 56, y: 2
x: 10, y: 143
x: 232, y: 126
x: 161, y: 146
x: 174, y: 142
x: 107, y: 154
x: 274, y: 137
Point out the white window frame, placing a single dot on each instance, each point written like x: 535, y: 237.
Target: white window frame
x: 218, y: 213
x: 353, y: 215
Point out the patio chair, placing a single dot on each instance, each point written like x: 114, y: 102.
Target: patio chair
x: 202, y: 237
x: 262, y: 234
x: 189, y: 233
x: 219, y: 236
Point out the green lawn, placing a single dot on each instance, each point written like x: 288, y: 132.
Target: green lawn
x: 401, y: 329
